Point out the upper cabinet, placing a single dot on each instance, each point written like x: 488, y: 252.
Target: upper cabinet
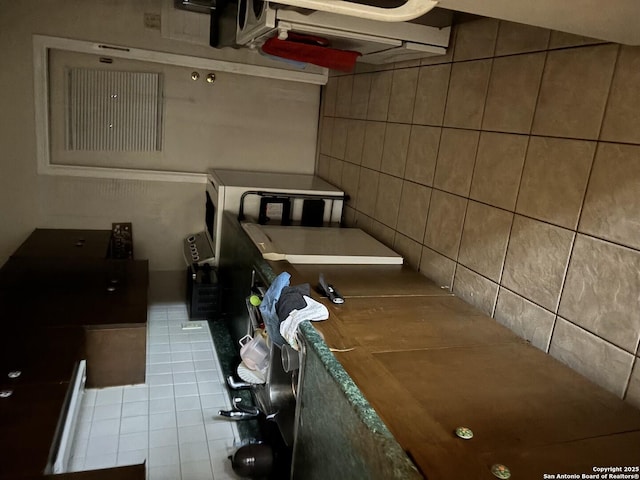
x: 612, y: 21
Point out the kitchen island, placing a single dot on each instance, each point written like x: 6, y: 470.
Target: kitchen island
x: 398, y: 367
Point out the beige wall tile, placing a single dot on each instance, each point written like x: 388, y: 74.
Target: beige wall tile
x: 475, y: 289
x: 444, y: 224
x: 421, y: 156
x: 467, y: 93
x: 335, y: 172
x: 414, y: 207
x: 355, y: 141
x: 373, y: 144
x: 388, y: 202
x: 348, y: 216
x: 403, y: 94
x: 622, y: 118
x: 520, y: 38
x: 406, y: 64
x: 382, y: 233
x: 633, y: 392
x: 431, y: 94
x: 339, y: 138
x: 343, y: 96
x: 498, y: 168
x: 612, y: 202
x: 323, y: 166
x: 363, y: 222
x: 513, y: 92
x: 484, y: 239
x: 326, y: 134
x: 379, y: 96
x: 350, y: 182
x: 367, y: 191
x: 574, y: 90
x: 476, y: 39
x: 360, y: 96
x: 437, y: 267
x: 554, y: 179
x: 456, y: 158
x: 409, y: 249
x: 564, y: 39
x: 536, y: 261
x: 329, y: 92
x: 396, y: 145
x: 600, y: 361
x: 525, y: 319
x: 601, y: 291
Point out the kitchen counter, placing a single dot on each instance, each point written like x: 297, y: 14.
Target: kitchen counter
x: 402, y: 363
x: 426, y: 363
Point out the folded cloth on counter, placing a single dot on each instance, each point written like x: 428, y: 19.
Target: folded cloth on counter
x: 268, y: 307
x: 314, y: 311
x: 292, y: 298
x: 310, y: 49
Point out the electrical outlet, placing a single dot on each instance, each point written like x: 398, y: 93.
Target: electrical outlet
x: 152, y: 20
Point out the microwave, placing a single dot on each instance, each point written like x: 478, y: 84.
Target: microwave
x: 261, y: 197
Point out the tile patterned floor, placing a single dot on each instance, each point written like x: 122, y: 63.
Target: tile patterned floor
x: 171, y: 421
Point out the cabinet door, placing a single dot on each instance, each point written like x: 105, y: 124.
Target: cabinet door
x: 34, y: 356
x: 29, y: 418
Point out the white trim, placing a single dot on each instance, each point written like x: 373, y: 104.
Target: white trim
x: 41, y: 46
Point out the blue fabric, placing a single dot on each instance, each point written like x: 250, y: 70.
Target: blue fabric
x: 268, y: 307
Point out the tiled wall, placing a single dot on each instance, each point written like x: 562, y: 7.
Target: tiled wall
x: 508, y: 170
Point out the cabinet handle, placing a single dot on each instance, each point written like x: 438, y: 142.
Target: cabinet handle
x: 6, y: 393
x: 111, y: 289
x: 14, y: 374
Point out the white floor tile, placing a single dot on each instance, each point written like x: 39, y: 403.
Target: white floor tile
x: 76, y: 464
x: 96, y: 462
x: 160, y: 357
x: 200, y: 347
x: 162, y: 456
x: 135, y: 409
x: 109, y: 396
x: 102, y: 445
x: 181, y: 357
x: 187, y: 403
x: 163, y: 438
x: 101, y: 428
x: 160, y: 391
x: 168, y: 472
x: 202, y: 355
x: 158, y: 368
x: 133, y: 457
x: 162, y: 405
x: 160, y: 379
x: 184, y: 377
x: 193, y: 452
x: 133, y: 441
x: 210, y: 388
x: 159, y: 421
x: 189, y: 417
x: 103, y: 412
x: 134, y: 424
x: 218, y: 430
x: 183, y: 367
x: 201, y: 365
x: 160, y: 348
x: 185, y: 389
x: 197, y: 470
x: 213, y: 401
x: 89, y: 397
x: 180, y: 347
x: 192, y: 434
x: 135, y: 393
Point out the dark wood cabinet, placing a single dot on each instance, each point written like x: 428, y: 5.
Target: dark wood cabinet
x: 63, y: 300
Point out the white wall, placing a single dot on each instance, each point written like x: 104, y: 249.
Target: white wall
x: 162, y: 213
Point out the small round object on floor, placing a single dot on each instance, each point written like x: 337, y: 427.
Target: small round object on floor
x: 500, y: 471
x: 464, y: 433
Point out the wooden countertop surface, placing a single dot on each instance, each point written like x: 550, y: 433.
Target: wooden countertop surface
x: 429, y: 363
